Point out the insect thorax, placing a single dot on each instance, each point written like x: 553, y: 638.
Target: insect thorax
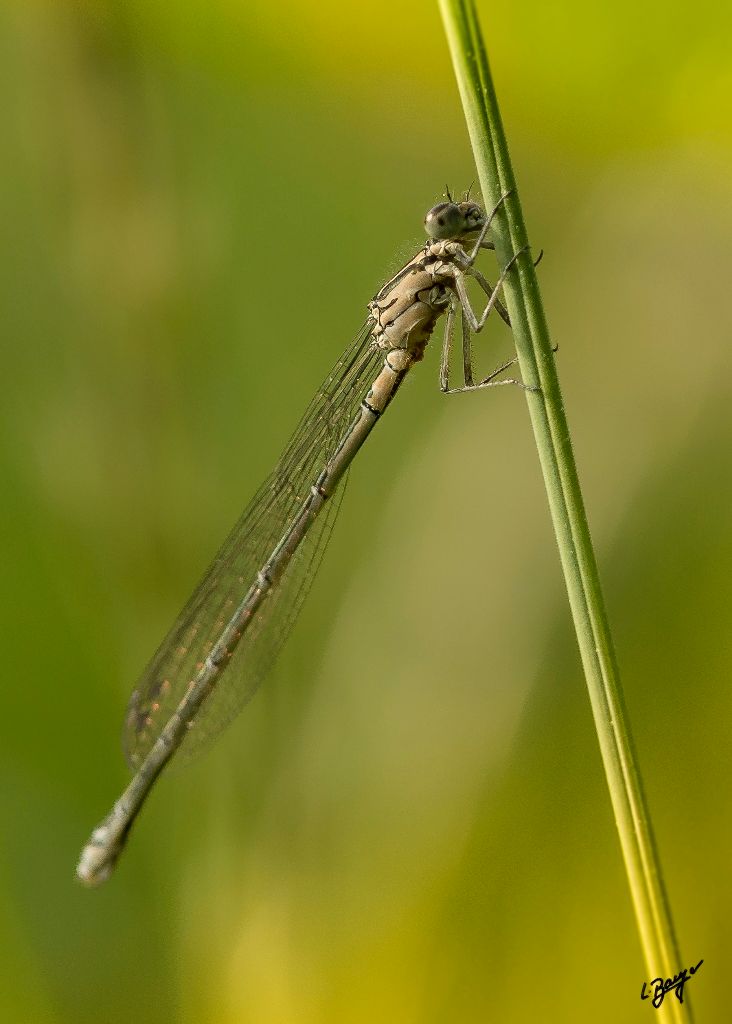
x: 406, y: 312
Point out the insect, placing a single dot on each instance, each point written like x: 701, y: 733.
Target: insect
x: 228, y: 634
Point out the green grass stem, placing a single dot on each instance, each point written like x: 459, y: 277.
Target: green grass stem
x: 538, y: 369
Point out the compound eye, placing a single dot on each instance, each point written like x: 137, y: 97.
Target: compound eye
x: 444, y: 221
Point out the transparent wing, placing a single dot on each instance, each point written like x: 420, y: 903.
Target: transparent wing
x: 229, y: 577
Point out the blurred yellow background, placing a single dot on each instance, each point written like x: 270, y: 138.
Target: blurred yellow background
x: 410, y: 823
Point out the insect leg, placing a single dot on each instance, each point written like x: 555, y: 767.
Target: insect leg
x: 446, y: 347
x: 484, y: 230
x: 467, y: 351
x: 476, y: 324
x: 491, y: 382
x: 471, y: 322
x: 487, y: 382
x: 489, y: 290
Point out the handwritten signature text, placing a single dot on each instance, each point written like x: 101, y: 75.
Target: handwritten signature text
x: 660, y: 987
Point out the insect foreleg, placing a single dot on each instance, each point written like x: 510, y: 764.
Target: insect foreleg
x: 484, y: 230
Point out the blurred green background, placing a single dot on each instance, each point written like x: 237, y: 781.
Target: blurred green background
x: 410, y: 823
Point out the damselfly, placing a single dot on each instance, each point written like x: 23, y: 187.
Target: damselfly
x: 239, y: 615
